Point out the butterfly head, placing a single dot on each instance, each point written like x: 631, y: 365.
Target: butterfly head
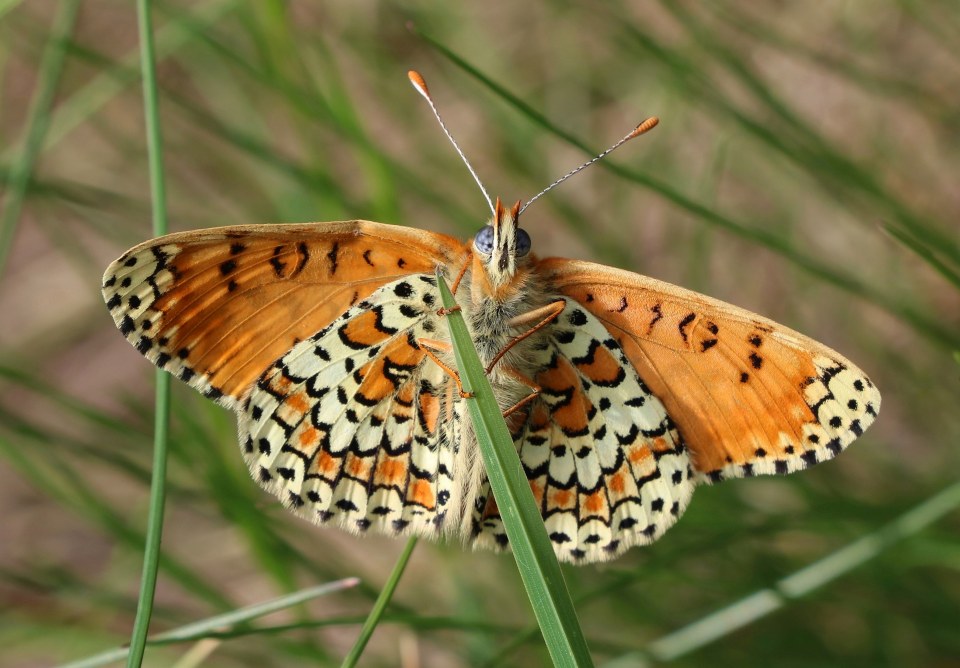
x: 500, y: 251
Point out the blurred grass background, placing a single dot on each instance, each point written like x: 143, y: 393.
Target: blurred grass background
x: 805, y: 168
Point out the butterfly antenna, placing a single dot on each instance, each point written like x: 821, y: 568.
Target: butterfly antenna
x: 646, y: 126
x: 421, y: 87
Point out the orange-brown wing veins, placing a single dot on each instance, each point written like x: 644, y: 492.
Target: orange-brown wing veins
x: 218, y: 306
x: 749, y: 396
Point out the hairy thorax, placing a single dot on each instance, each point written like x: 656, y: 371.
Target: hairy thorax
x: 488, y: 314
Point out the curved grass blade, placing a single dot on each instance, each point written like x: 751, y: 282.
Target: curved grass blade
x: 37, y: 125
x: 531, y: 546
x: 218, y: 623
x: 87, y: 100
x: 761, y: 603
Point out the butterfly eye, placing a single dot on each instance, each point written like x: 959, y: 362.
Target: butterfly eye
x: 523, y: 242
x: 483, y: 242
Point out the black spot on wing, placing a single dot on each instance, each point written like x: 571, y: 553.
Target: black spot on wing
x: 657, y: 311
x: 303, y: 256
x: 687, y: 319
x: 589, y: 356
x: 332, y: 256
x: 277, y: 264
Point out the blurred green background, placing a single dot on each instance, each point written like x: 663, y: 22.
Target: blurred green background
x: 805, y: 168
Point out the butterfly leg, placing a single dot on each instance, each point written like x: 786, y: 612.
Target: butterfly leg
x: 542, y: 317
x: 447, y: 311
x: 428, y: 346
x: 460, y: 274
x: 523, y: 380
x: 456, y: 285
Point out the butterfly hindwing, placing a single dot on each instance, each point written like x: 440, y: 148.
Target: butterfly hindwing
x: 216, y: 307
x: 348, y: 427
x: 605, y: 462
x: 749, y: 396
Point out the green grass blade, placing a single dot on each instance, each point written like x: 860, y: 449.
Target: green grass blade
x: 88, y: 100
x: 37, y: 125
x: 761, y: 603
x: 7, y: 5
x: 531, y: 546
x: 217, y: 624
x: 151, y: 559
x: 376, y: 613
x: 928, y: 254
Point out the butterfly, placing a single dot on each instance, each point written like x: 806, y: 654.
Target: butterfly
x: 623, y: 393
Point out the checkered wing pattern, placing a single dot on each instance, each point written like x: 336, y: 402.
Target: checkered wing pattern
x: 604, y: 459
x: 349, y: 427
x: 310, y: 333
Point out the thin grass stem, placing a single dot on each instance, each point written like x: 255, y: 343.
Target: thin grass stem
x: 376, y: 613
x: 151, y: 559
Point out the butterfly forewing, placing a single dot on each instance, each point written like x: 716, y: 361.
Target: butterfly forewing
x: 749, y: 396
x: 217, y: 307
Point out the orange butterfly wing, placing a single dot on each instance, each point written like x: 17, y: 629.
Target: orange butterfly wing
x: 748, y: 395
x: 216, y: 307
